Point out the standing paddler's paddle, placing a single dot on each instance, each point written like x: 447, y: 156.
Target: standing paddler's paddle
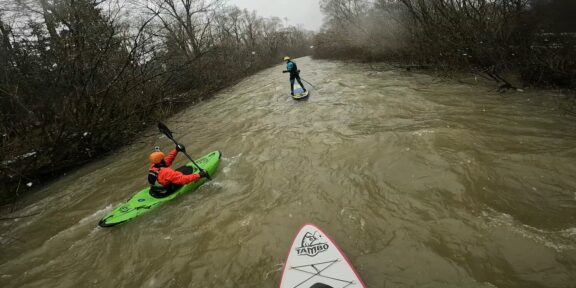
x: 164, y: 129
x: 308, y: 83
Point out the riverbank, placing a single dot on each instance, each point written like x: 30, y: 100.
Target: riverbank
x: 433, y: 177
x: 82, y: 79
x: 534, y: 41
x: 28, y: 172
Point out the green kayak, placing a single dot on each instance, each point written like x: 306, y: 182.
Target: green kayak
x: 142, y: 202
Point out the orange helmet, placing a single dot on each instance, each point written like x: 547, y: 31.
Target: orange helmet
x: 155, y: 157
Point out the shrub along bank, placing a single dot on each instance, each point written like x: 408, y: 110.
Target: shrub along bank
x: 81, y: 78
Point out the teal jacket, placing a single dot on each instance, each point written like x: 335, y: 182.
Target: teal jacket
x: 292, y: 68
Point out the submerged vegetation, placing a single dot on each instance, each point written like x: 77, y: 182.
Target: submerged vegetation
x: 79, y: 78
x: 534, y: 38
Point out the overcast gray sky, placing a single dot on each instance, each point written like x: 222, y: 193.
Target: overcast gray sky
x: 304, y: 12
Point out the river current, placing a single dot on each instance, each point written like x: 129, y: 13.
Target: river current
x: 422, y: 181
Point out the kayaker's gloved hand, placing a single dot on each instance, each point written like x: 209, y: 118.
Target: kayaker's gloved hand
x: 180, y: 148
x: 203, y: 174
x: 285, y: 71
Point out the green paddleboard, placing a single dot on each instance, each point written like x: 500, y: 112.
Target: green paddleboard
x: 142, y: 202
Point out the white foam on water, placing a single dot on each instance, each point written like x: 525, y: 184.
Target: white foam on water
x: 93, y: 232
x: 277, y: 268
x: 423, y: 132
x: 90, y: 220
x: 97, y: 214
x: 570, y: 232
x: 552, y: 239
x: 246, y: 221
x: 214, y: 183
x: 488, y: 284
x: 230, y: 161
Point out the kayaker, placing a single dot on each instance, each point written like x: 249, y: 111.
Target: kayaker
x: 294, y: 74
x: 165, y: 180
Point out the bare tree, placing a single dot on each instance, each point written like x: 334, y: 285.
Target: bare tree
x: 79, y: 78
x: 484, y: 36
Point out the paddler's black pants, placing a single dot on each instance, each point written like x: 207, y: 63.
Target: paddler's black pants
x: 297, y: 78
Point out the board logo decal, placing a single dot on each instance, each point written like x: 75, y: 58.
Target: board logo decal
x: 312, y: 244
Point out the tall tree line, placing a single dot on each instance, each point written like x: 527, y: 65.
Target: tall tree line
x: 79, y: 78
x: 535, y: 38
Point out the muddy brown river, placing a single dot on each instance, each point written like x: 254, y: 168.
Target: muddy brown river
x: 422, y: 181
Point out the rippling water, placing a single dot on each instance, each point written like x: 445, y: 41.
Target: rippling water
x: 422, y: 181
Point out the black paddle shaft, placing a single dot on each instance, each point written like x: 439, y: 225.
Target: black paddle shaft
x: 166, y: 131
x: 308, y: 83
